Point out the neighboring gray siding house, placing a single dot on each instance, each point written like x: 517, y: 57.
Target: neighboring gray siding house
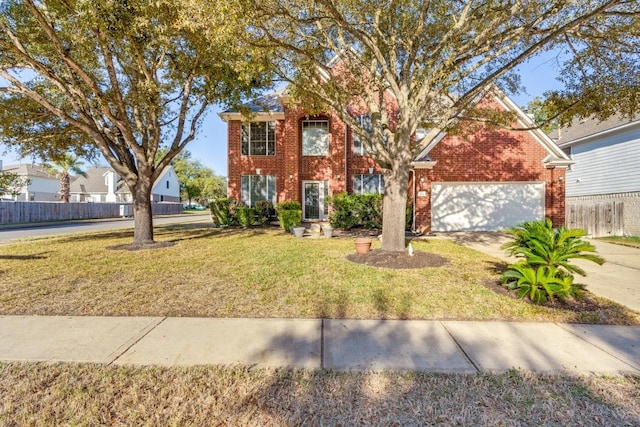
x: 606, y: 172
x: 44, y: 187
x: 102, y: 184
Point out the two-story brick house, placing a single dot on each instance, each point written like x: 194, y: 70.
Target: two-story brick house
x: 485, y: 180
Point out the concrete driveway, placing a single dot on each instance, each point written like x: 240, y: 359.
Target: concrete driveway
x: 618, y: 279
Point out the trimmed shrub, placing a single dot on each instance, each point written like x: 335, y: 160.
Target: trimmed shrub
x: 223, y: 211
x: 289, y: 205
x: 289, y: 214
x: 246, y: 216
x: 356, y: 210
x: 264, y: 211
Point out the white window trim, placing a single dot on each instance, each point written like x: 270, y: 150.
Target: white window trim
x: 325, y: 121
x: 360, y: 177
x: 361, y: 150
x: 247, y: 126
x: 246, y: 198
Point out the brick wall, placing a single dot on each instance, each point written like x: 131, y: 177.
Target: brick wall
x: 482, y: 154
x: 490, y: 155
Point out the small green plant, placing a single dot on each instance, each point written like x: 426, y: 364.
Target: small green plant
x: 246, y: 216
x: 223, y: 211
x: 540, y: 283
x: 264, y: 211
x: 541, y: 244
x: 545, y: 271
x: 289, y: 214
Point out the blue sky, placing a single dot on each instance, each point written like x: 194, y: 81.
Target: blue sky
x: 210, y: 146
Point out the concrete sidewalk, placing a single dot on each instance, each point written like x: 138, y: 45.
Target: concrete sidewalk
x: 431, y: 346
x: 618, y: 279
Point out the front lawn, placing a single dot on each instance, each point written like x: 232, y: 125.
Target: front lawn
x: 90, y: 395
x: 258, y: 273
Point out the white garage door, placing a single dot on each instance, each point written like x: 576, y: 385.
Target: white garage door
x: 484, y: 206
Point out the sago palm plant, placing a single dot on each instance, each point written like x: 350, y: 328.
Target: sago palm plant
x: 541, y: 244
x: 540, y: 283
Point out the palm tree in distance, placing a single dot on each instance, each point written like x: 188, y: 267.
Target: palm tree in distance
x: 61, y: 168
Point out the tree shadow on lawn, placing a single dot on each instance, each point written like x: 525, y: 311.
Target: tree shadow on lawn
x: 41, y: 255
x: 589, y: 309
x: 199, y: 231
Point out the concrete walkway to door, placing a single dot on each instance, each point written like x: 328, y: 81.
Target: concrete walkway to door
x: 618, y: 279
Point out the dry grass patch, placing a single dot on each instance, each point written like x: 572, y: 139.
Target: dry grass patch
x: 257, y: 273
x: 89, y: 395
x: 633, y: 241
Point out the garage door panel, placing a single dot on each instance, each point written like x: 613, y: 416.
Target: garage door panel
x: 484, y: 206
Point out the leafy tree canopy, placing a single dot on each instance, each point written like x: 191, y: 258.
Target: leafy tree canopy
x: 12, y: 183
x: 122, y: 77
x: 433, y: 60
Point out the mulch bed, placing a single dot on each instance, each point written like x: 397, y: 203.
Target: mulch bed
x: 588, y: 304
x: 398, y: 260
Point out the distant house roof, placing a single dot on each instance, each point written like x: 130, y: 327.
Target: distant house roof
x: 583, y: 128
x: 29, y: 170
x: 93, y: 183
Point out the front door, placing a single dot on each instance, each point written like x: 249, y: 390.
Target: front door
x: 316, y: 195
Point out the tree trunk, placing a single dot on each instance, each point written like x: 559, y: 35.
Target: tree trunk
x: 65, y: 189
x: 142, y: 217
x: 394, y: 208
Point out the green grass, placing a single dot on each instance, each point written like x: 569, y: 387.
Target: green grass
x: 633, y: 241
x: 89, y: 395
x: 257, y: 273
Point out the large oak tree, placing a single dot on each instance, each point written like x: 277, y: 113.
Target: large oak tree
x: 434, y: 59
x: 124, y: 76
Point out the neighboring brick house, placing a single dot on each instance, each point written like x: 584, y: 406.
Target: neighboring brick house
x: 603, y: 187
x: 485, y: 180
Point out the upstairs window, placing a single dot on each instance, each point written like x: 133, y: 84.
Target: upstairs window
x: 358, y: 145
x: 315, y: 138
x: 259, y: 139
x: 368, y: 184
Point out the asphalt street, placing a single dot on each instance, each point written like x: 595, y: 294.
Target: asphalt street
x: 29, y: 231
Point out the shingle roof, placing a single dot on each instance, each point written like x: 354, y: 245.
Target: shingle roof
x: 268, y: 102
x: 28, y: 170
x: 93, y: 183
x: 581, y: 128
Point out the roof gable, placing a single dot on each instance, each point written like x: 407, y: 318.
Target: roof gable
x: 556, y: 156
x: 29, y: 170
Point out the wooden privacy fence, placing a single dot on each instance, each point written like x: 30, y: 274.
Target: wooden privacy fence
x: 26, y: 212
x: 599, y: 219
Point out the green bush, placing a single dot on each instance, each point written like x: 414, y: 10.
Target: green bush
x: 289, y: 205
x: 246, y: 216
x: 289, y: 218
x: 356, y: 210
x: 289, y: 214
x: 408, y: 215
x: 223, y: 211
x: 264, y: 211
x: 545, y: 271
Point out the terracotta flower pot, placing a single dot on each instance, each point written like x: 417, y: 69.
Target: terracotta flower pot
x: 363, y: 245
